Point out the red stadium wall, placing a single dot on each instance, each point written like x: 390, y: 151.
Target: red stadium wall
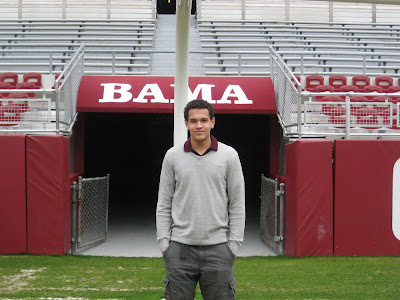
x: 364, y: 199
x: 352, y: 212
x: 12, y: 195
x: 48, y: 195
x: 309, y: 199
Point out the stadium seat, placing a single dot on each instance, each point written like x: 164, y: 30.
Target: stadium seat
x: 13, y: 110
x: 361, y: 81
x: 330, y: 98
x: 35, y: 78
x: 312, y: 81
x: 347, y: 88
x: 321, y: 89
x: 394, y: 89
x: 337, y: 115
x: 10, y: 77
x: 384, y: 82
x: 295, y: 84
x: 381, y: 99
x: 358, y: 99
x: 372, y: 89
x: 61, y: 80
x: 366, y: 116
x: 18, y: 107
x: 5, y: 86
x: 25, y: 86
x: 336, y: 81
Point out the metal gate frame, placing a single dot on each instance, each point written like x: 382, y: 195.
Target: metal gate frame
x: 272, y: 210
x: 90, y: 197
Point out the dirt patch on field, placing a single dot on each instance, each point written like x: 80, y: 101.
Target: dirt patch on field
x: 14, y: 283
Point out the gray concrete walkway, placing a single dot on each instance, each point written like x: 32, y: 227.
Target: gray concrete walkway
x: 130, y: 238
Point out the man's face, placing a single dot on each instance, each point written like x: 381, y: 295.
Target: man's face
x: 199, y: 124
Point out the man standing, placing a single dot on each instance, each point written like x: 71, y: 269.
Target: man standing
x: 200, y: 211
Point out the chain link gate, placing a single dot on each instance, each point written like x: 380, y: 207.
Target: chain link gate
x: 89, y: 211
x: 272, y: 214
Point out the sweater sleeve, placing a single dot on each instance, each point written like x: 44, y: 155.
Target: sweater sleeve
x: 163, y: 212
x: 236, y: 206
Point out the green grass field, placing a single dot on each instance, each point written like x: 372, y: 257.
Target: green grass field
x: 88, y: 277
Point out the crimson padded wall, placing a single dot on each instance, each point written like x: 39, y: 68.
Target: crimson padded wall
x: 48, y: 195
x: 12, y: 194
x: 309, y: 199
x: 364, y: 199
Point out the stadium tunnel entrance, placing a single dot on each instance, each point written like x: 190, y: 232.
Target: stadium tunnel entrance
x: 169, y: 7
x: 131, y: 146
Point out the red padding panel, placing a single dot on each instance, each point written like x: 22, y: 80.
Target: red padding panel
x: 12, y: 194
x: 364, y: 198
x: 48, y: 195
x: 309, y: 199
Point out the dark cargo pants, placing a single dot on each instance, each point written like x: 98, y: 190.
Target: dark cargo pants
x: 211, y: 266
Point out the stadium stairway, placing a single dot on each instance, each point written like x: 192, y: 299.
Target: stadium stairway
x: 163, y: 62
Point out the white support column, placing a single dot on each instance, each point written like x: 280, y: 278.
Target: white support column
x: 198, y: 9
x: 183, y: 8
x: 243, y: 10
x: 373, y: 13
x: 154, y: 9
x: 19, y: 9
x: 64, y: 9
x: 287, y: 10
x: 108, y: 9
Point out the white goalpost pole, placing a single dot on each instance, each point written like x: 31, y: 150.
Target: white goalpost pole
x: 183, y: 8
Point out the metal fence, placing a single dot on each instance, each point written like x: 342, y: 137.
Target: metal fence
x: 22, y: 111
x: 291, y: 10
x: 286, y: 93
x: 342, y: 114
x: 67, y: 87
x: 272, y: 214
x: 89, y: 211
x: 44, y: 110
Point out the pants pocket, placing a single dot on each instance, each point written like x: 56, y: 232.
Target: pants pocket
x: 167, y: 288
x: 231, y: 291
x: 168, y: 249
x: 229, y: 250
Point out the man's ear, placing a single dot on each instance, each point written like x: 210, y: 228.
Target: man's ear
x: 212, y: 122
x: 186, y: 124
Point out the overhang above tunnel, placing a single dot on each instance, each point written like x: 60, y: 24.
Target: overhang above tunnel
x: 155, y: 94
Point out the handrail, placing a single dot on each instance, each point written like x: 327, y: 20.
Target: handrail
x: 244, y: 12
x: 300, y: 115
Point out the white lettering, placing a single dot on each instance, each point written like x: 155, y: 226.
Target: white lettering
x: 396, y: 200
x: 110, y: 91
x: 151, y: 90
x: 205, y: 90
x: 234, y: 91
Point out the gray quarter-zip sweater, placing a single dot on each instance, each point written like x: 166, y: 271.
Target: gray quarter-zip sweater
x: 201, y: 199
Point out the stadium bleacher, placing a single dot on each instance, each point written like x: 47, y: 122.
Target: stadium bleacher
x: 343, y: 51
x: 112, y: 47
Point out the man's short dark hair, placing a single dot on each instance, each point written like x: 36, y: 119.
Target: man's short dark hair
x: 198, y: 104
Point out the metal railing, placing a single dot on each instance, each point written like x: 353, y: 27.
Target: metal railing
x: 272, y: 214
x: 51, y: 110
x: 90, y: 198
x: 67, y: 87
x: 64, y: 9
x: 290, y: 10
x: 304, y: 113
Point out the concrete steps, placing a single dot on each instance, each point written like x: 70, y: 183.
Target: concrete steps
x: 164, y: 40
